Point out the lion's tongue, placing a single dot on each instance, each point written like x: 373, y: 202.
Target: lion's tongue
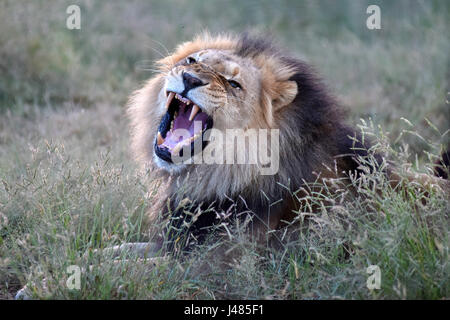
x: 190, y: 127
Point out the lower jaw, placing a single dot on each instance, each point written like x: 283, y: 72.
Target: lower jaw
x: 178, y: 156
x: 169, y: 167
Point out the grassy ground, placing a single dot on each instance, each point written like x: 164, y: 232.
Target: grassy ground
x: 70, y: 186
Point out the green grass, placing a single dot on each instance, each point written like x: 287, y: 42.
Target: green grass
x: 68, y: 184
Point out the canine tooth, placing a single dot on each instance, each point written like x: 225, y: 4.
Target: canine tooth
x: 160, y: 139
x: 195, y: 110
x: 169, y: 99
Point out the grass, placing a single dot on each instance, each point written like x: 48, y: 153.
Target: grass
x: 69, y: 185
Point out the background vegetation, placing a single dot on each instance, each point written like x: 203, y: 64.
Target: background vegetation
x: 70, y: 186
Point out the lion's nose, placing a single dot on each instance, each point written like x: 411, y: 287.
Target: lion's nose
x: 191, y: 82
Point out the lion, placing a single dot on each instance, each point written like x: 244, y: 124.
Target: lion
x: 237, y: 82
x: 246, y: 84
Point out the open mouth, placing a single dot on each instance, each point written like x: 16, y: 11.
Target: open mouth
x: 183, y: 125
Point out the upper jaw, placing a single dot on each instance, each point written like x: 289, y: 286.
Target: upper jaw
x: 174, y: 83
x: 170, y: 95
x: 178, y: 95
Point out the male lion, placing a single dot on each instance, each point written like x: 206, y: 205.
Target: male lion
x: 236, y: 82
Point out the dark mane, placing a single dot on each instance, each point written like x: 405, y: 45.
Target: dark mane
x: 313, y: 135
x: 250, y: 46
x: 442, y: 166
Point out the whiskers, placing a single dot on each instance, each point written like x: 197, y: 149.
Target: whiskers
x: 147, y: 65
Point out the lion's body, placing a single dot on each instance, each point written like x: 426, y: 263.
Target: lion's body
x: 278, y: 92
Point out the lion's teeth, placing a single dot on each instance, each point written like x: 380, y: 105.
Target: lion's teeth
x: 160, y: 139
x: 184, y: 143
x: 195, y: 110
x: 183, y: 99
x: 169, y: 99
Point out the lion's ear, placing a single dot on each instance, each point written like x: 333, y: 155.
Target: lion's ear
x: 286, y: 93
x: 280, y: 95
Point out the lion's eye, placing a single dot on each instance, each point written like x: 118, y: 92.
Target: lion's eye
x: 190, y: 60
x: 234, y: 84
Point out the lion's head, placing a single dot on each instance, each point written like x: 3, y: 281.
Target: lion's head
x: 213, y: 80
x: 232, y: 82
